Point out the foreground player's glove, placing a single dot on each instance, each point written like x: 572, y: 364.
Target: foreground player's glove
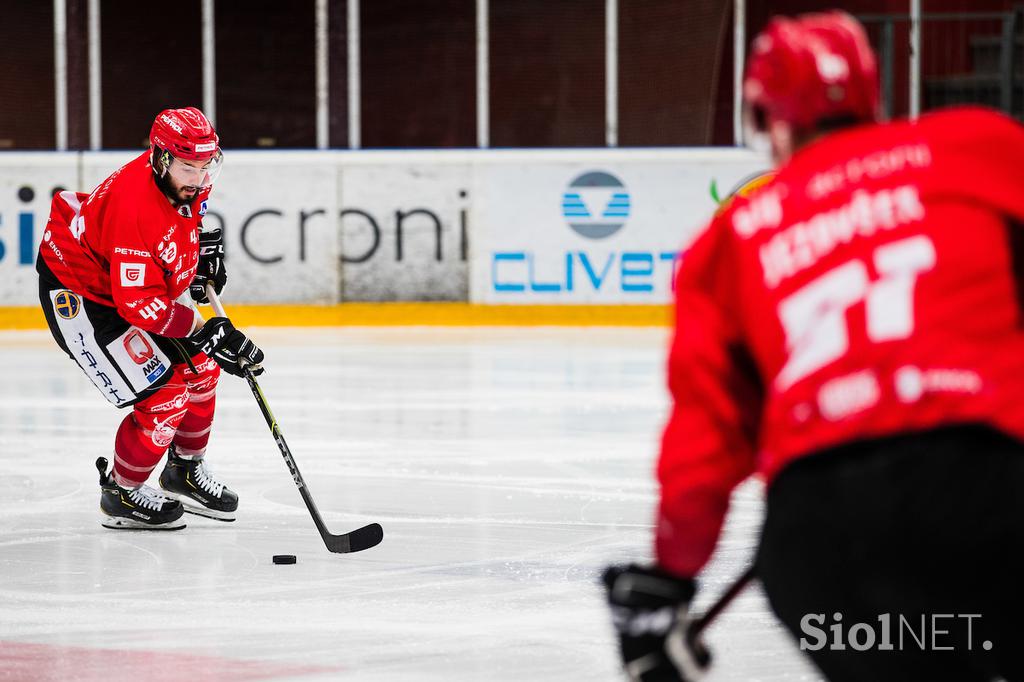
x: 650, y: 613
x: 211, y: 265
x: 229, y: 348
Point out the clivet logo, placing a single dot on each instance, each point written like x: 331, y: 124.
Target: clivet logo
x: 596, y: 204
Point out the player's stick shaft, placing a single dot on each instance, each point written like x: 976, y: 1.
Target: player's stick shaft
x: 699, y: 624
x: 355, y: 541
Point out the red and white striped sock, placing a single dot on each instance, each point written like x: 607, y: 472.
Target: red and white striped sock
x: 194, y: 431
x: 146, y: 432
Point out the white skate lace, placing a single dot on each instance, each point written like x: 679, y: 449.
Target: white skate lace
x: 206, y: 481
x: 147, y: 497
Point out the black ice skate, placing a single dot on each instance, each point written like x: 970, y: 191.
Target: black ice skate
x: 141, y: 508
x: 199, y: 492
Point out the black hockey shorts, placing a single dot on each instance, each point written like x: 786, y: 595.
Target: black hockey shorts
x: 900, y: 559
x: 124, y: 362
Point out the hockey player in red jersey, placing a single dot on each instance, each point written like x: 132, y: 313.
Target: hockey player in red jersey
x: 852, y: 332
x: 119, y: 270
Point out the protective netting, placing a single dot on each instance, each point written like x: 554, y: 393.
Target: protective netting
x: 418, y: 69
x: 27, y: 118
x: 962, y: 45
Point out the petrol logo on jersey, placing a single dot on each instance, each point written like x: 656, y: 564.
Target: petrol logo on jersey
x: 133, y: 274
x: 67, y: 304
x: 596, y: 205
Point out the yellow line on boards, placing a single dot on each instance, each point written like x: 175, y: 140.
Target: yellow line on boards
x: 22, y: 317
x: 408, y: 314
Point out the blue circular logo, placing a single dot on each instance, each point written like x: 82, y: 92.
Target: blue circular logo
x: 66, y: 304
x: 596, y: 205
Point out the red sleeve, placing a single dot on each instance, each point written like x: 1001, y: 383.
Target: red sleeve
x: 139, y: 287
x: 708, y: 445
x: 978, y: 155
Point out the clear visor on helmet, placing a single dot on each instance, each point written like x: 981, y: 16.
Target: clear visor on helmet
x: 198, y: 174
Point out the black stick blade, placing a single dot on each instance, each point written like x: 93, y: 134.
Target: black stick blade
x: 356, y: 541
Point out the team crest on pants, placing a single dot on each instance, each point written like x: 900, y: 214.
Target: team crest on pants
x: 79, y: 336
x: 67, y: 304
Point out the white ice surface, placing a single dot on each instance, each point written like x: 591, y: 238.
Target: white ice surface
x: 507, y: 466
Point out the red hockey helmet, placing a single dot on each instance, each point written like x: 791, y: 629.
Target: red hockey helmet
x: 186, y: 150
x: 185, y: 134
x: 812, y: 68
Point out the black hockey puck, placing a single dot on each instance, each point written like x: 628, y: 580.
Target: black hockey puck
x: 284, y: 559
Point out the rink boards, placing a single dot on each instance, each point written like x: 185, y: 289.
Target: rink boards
x: 485, y: 229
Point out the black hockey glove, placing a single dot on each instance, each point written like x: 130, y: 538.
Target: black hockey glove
x: 650, y: 613
x: 229, y: 348
x: 211, y: 265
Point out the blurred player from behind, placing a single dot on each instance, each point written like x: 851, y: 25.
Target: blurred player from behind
x: 852, y: 331
x: 118, y: 271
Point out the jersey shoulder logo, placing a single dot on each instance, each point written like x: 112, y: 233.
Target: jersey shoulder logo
x: 133, y: 274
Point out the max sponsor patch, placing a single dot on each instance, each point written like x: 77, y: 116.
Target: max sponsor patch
x: 139, y: 358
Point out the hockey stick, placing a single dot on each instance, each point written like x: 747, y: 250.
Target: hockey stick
x: 355, y: 541
x: 697, y: 625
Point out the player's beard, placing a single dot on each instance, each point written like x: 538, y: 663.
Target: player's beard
x: 187, y: 194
